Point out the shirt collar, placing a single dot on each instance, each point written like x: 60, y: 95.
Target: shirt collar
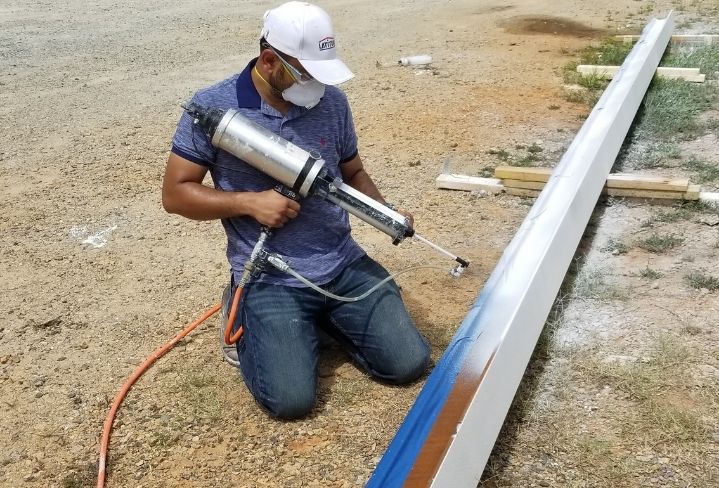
x: 247, y: 96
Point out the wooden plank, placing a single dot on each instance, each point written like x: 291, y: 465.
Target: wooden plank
x: 608, y: 72
x: 524, y: 174
x: 619, y: 180
x: 680, y: 38
x: 619, y: 192
x: 527, y: 185
x: 522, y: 192
x: 469, y: 183
x: 692, y: 193
x: 633, y: 193
x: 615, y: 180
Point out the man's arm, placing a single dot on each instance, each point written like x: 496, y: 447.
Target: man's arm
x: 183, y: 193
x: 354, y: 174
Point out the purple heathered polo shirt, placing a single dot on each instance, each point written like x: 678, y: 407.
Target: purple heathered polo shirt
x: 317, y: 243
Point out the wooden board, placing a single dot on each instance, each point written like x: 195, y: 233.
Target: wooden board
x: 619, y: 192
x: 615, y: 180
x: 680, y: 38
x: 619, y: 180
x: 692, y: 193
x: 633, y: 193
x: 608, y: 72
x: 524, y: 174
x: 469, y: 183
x: 522, y: 192
x: 527, y: 185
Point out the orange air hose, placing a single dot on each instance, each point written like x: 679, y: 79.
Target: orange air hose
x: 229, y: 338
x: 139, y: 371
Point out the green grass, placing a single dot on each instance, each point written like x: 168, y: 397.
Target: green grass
x: 502, y: 154
x: 701, y: 207
x: 668, y: 216
x: 700, y: 280
x: 524, y: 157
x: 703, y: 172
x: 79, y: 476
x: 200, y: 392
x: 535, y: 148
x: 593, y: 282
x: 660, y: 387
x: 610, y: 52
x: 706, y: 58
x: 659, y: 244
x: 671, y: 109
x: 670, y: 112
x: 649, y: 273
x: 615, y: 247
x: 526, y: 160
x: 647, y: 8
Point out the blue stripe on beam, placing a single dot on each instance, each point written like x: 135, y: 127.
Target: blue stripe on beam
x: 402, y: 452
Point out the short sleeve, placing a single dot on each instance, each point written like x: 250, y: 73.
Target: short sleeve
x: 191, y: 143
x: 348, y: 151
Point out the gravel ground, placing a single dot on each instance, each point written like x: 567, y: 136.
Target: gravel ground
x: 96, y: 275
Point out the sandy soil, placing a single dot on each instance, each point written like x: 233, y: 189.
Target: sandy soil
x: 96, y: 275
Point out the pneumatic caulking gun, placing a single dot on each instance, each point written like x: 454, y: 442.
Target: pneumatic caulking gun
x: 301, y: 172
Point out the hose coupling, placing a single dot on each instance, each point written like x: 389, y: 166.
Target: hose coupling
x: 276, y: 261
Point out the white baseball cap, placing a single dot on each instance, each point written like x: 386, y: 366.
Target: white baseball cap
x: 304, y: 31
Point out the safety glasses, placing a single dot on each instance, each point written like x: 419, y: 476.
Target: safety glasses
x: 298, y: 75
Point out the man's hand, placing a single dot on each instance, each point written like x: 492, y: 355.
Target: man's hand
x: 272, y: 209
x: 409, y: 216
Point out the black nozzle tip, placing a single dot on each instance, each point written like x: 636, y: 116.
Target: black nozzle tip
x: 462, y: 262
x: 207, y: 118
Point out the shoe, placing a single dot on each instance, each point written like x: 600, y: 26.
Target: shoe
x: 229, y: 351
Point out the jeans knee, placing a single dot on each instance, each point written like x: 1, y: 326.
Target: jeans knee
x: 411, y: 366
x: 290, y: 406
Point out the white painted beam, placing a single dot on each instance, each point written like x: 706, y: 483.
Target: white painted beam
x: 519, y: 294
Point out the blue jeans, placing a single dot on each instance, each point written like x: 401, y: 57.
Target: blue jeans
x: 279, y: 350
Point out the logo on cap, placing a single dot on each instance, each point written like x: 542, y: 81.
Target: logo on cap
x: 327, y: 43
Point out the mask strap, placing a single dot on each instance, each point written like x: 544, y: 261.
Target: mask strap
x: 263, y: 79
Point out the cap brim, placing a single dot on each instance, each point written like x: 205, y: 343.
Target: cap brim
x: 327, y: 71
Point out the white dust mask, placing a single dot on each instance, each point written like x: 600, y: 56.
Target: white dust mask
x: 307, y: 94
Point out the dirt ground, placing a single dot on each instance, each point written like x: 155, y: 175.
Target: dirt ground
x: 96, y: 275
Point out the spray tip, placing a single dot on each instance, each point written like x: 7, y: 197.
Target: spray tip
x: 457, y: 271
